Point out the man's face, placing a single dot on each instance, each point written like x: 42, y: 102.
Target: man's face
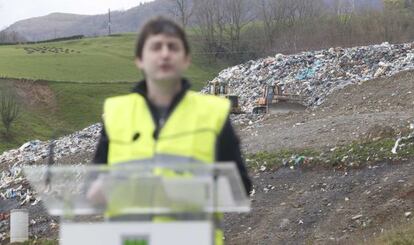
x: 163, y: 58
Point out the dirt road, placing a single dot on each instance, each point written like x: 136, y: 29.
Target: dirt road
x: 348, y: 115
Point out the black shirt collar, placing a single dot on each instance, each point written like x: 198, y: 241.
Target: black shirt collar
x: 141, y: 87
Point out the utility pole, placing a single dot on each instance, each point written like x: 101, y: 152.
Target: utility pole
x: 353, y: 6
x: 109, y: 22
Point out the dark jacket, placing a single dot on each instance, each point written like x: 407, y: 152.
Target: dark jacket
x: 227, y: 148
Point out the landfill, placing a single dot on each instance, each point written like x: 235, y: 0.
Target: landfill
x: 315, y: 74
x: 36, y: 150
x: 15, y: 188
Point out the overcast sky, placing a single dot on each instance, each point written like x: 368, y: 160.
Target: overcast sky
x: 15, y: 10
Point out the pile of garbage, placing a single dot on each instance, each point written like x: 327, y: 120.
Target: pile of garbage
x: 35, y: 151
x: 15, y: 191
x: 13, y: 185
x: 14, y: 188
x: 315, y: 74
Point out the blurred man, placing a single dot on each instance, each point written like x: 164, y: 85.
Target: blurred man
x: 162, y: 119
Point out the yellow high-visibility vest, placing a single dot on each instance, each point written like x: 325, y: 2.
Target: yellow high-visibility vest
x: 190, y: 132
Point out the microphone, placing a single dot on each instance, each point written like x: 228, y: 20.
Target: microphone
x: 136, y: 136
x: 51, y: 162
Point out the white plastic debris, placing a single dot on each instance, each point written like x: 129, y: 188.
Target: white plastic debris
x: 395, y: 148
x: 400, y: 142
x: 252, y: 193
x: 357, y: 217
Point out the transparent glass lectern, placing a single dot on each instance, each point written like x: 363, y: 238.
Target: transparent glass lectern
x: 144, y: 203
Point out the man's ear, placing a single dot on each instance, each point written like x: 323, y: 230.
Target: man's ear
x: 188, y: 61
x: 138, y: 63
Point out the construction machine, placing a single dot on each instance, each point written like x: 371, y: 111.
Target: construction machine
x: 221, y: 89
x: 274, y: 100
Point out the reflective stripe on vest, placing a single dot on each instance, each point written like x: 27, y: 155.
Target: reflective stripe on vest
x: 190, y: 132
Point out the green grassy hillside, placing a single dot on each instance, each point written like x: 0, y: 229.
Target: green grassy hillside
x: 102, y: 59
x: 79, y: 75
x: 74, y: 106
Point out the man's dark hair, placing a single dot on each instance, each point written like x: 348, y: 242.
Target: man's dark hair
x: 160, y: 25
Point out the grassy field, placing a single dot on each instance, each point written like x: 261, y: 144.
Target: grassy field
x: 77, y: 106
x: 81, y: 74
x: 403, y: 235
x: 102, y: 59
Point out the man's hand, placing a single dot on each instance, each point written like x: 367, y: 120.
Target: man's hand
x: 95, y: 193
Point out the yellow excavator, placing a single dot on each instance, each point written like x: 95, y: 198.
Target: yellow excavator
x: 221, y: 89
x: 274, y: 100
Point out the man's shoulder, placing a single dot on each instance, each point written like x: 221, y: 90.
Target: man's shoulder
x: 210, y: 103
x: 122, y: 102
x: 208, y: 98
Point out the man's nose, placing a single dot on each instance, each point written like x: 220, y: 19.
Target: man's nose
x: 165, y: 51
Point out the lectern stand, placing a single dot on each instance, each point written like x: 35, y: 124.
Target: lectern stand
x: 143, y: 203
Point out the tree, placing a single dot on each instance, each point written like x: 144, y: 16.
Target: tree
x: 397, y: 20
x: 11, y: 37
x: 206, y: 17
x: 272, y: 13
x: 306, y: 9
x: 9, y: 110
x: 183, y: 10
x: 236, y: 19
